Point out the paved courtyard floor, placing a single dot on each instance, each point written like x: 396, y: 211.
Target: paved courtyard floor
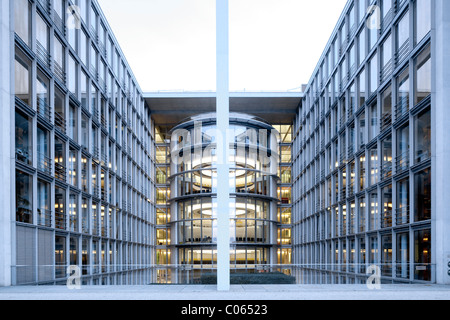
x: 237, y: 292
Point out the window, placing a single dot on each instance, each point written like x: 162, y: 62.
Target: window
x: 362, y: 9
x: 73, y: 213
x: 85, y: 132
x: 373, y: 85
x: 43, y: 151
x: 403, y: 38
x: 84, y: 91
x: 362, y: 173
x: 73, y: 119
x: 23, y: 136
x: 42, y: 96
x: 285, y: 175
x: 60, y: 103
x: 362, y: 47
x: 422, y: 136
x: 60, y: 164
x: 402, y: 266
x: 422, y: 70
x: 72, y: 76
x: 386, y: 171
x: 24, y: 197
x: 60, y: 257
x: 73, y: 167
x: 44, y: 215
x: 22, y: 20
x: 386, y: 108
x: 374, y: 126
x: 422, y: 195
x: 58, y: 57
x: 22, y: 82
x: 422, y: 255
x: 386, y: 58
x: 402, y: 212
x: 402, y: 161
x: 373, y: 166
x: 403, y: 93
x: 386, y: 193
x: 362, y: 88
x: 386, y: 255
x: 286, y: 155
x: 43, y: 38
x: 422, y: 19
x: 84, y: 48
x: 362, y: 129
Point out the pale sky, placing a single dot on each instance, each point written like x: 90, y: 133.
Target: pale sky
x: 274, y: 44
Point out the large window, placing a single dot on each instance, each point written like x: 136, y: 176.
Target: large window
x: 422, y: 255
x: 24, y: 197
x: 422, y: 195
x: 374, y: 75
x: 23, y: 134
x: 422, y: 69
x: 22, y: 20
x: 43, y: 38
x: 43, y: 151
x: 22, y: 82
x: 44, y: 214
x: 422, y: 136
x: 59, y: 59
x: 403, y: 148
x: 403, y: 37
x: 402, y: 211
x: 422, y: 19
x: 374, y: 124
x: 402, y: 93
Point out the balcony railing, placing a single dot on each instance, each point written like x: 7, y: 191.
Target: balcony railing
x: 402, y: 53
x: 386, y: 121
x: 402, y: 162
x: 44, y: 218
x: 42, y: 54
x: 402, y: 215
x: 386, y: 170
x: 44, y: 163
x: 386, y: 221
x: 60, y: 122
x: 60, y: 220
x: 43, y: 108
x: 60, y: 172
x: 59, y: 72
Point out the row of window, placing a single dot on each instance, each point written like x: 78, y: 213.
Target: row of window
x: 392, y: 155
x: 402, y: 255
x: 355, y: 127
x: 56, y: 252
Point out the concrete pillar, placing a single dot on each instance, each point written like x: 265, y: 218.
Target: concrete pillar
x: 223, y: 171
x: 6, y: 154
x: 441, y: 154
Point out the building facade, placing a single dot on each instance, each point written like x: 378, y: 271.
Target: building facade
x: 81, y: 151
x: 368, y: 150
x: 95, y: 173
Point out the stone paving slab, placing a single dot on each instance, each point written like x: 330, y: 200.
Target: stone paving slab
x: 237, y: 292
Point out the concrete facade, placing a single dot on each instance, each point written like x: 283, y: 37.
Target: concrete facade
x: 6, y: 131
x: 441, y: 99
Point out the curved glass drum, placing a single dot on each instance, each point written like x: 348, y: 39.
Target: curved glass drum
x: 253, y: 188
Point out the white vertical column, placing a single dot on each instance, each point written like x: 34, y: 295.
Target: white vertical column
x: 441, y: 137
x: 6, y: 158
x: 223, y: 121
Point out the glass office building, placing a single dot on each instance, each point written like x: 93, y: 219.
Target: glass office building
x: 363, y: 154
x: 97, y: 174
x: 84, y: 146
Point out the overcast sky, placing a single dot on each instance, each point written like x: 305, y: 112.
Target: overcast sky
x: 274, y: 44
